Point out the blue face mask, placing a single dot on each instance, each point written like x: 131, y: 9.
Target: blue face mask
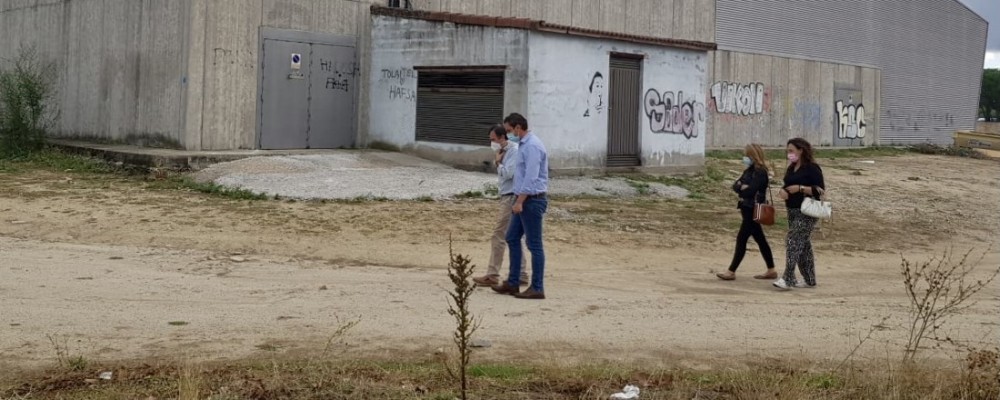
x: 512, y: 137
x: 747, y: 161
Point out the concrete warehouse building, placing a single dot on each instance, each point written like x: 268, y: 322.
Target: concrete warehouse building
x: 648, y: 83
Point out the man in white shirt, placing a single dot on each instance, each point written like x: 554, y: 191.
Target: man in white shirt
x: 506, y: 164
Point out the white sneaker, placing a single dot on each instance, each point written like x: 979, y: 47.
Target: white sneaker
x: 804, y: 285
x: 781, y: 284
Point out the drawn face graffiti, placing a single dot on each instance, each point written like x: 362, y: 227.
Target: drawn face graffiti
x: 595, y: 102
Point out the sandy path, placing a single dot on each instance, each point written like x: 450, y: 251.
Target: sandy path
x: 103, y: 265
x: 107, y: 308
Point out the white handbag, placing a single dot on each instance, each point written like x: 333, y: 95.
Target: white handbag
x: 817, y: 208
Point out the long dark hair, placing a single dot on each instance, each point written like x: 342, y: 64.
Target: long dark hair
x: 807, y: 157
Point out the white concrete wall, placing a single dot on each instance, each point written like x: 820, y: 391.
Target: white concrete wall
x: 680, y: 19
x: 119, y: 63
x: 562, y: 68
x: 400, y: 44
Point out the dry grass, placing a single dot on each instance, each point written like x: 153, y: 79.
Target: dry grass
x: 426, y: 379
x: 189, y: 383
x: 645, y: 219
x: 582, y: 221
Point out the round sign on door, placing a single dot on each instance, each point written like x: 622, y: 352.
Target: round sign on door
x: 296, y: 61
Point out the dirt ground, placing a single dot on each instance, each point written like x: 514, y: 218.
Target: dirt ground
x: 109, y: 268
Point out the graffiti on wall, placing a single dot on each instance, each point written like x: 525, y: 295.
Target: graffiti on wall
x: 242, y: 59
x: 402, y: 93
x: 595, y: 101
x: 808, y: 114
x: 343, y: 68
x: 338, y: 83
x: 897, y: 121
x: 398, y: 79
x: 398, y: 74
x: 740, y: 99
x: 850, y: 120
x: 678, y: 115
x: 337, y: 74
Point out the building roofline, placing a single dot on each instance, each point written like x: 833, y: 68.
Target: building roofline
x: 972, y: 11
x: 538, y: 26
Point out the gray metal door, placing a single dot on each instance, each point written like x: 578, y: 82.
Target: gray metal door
x: 285, y: 96
x: 331, y: 97
x: 624, y: 112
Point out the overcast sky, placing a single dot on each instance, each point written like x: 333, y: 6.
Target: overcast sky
x: 989, y: 9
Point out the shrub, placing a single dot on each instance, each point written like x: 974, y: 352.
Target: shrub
x: 26, y: 91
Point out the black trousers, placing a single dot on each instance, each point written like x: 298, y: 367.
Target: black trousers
x: 747, y: 229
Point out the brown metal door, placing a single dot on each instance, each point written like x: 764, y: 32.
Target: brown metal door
x: 623, y: 112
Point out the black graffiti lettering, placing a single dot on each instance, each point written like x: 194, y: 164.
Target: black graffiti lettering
x: 326, y: 65
x: 670, y: 114
x: 338, y: 84
x: 400, y: 74
x: 402, y: 93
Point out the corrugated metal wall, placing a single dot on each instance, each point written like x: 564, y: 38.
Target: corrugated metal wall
x: 930, y: 53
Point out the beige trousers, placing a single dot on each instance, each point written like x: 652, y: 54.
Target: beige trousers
x: 499, y: 239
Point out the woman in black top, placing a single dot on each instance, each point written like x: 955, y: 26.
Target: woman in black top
x: 802, y: 178
x: 752, y: 189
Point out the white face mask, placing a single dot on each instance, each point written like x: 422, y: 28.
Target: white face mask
x: 495, y: 146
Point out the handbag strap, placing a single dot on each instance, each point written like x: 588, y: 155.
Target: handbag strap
x: 816, y: 194
x: 769, y: 191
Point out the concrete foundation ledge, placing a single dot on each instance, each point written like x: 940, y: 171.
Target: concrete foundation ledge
x: 154, y: 158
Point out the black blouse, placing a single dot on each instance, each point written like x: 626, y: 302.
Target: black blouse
x: 756, y: 192
x: 810, y: 175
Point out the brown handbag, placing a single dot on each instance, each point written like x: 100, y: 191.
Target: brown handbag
x: 763, y: 213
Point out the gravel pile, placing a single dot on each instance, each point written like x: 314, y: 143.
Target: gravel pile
x: 352, y: 175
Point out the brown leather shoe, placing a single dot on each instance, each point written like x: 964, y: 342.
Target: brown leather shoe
x: 770, y: 274
x: 487, y: 281
x: 505, y: 288
x: 531, y: 294
x: 726, y: 276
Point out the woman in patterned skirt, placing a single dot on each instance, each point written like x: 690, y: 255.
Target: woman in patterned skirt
x: 802, y: 178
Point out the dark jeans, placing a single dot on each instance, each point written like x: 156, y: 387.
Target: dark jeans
x: 528, y: 223
x: 747, y: 229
